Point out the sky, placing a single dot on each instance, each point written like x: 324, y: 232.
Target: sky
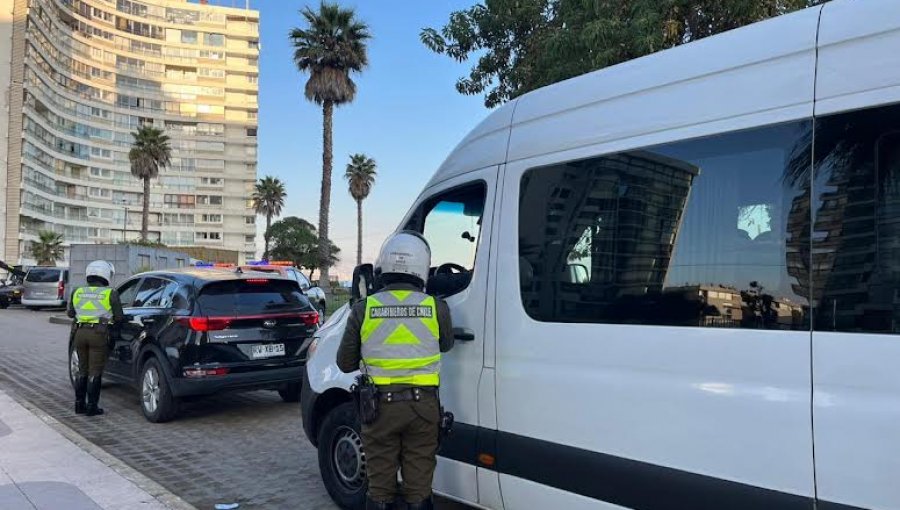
x: 407, y: 116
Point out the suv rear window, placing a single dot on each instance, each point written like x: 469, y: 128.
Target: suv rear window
x: 240, y: 297
x: 43, y: 275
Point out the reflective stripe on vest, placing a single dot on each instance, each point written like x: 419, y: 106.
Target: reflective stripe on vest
x: 92, y: 304
x: 400, y: 338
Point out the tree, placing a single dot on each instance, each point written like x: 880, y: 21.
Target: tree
x: 48, y: 248
x: 268, y: 200
x: 361, y: 177
x: 297, y: 240
x: 329, y: 48
x: 523, y: 45
x: 150, y: 152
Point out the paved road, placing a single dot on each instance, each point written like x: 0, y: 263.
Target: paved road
x: 247, y: 448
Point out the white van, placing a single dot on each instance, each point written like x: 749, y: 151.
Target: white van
x: 684, y: 286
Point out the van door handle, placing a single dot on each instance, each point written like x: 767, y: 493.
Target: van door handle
x: 463, y: 334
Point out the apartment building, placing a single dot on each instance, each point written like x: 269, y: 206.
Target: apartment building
x: 85, y: 74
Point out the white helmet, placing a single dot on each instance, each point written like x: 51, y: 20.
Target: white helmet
x: 405, y: 252
x: 100, y: 269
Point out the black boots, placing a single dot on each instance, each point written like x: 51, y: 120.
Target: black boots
x: 371, y: 504
x: 93, y: 396
x: 426, y: 504
x: 80, y: 393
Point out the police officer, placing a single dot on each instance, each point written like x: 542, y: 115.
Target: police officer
x: 396, y: 336
x: 95, y: 308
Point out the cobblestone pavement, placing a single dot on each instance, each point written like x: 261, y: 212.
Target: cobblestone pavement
x: 247, y: 448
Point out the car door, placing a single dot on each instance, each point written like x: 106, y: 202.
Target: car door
x: 127, y: 292
x: 455, y: 217
x: 147, y: 313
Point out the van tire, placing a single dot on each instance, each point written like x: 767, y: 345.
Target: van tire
x: 290, y: 392
x: 153, y: 376
x: 340, y: 434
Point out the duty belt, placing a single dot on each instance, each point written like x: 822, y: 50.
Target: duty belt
x: 408, y: 394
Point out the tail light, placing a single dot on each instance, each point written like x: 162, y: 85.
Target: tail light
x: 310, y: 318
x: 205, y: 323
x: 257, y: 281
x: 60, y: 290
x: 203, y: 372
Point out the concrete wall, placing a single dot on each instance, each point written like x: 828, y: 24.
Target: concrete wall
x: 127, y: 259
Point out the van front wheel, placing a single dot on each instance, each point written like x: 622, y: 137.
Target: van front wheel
x: 342, y: 461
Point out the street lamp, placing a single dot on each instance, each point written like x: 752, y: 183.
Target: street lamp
x: 124, y: 202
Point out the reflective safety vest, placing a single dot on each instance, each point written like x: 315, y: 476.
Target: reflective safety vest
x: 400, y: 339
x: 92, y: 305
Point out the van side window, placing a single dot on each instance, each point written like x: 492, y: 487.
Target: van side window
x: 451, y: 223
x: 708, y: 232
x: 856, y: 226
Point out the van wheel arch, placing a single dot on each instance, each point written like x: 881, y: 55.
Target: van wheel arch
x: 325, y: 403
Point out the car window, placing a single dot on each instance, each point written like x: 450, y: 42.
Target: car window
x: 150, y: 293
x: 451, y: 223
x: 127, y: 292
x: 43, y: 276
x: 252, y: 296
x: 304, y: 281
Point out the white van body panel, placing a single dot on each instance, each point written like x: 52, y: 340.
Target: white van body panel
x: 859, y: 64
x: 321, y: 367
x: 764, y: 72
x: 857, y: 375
x: 523, y: 494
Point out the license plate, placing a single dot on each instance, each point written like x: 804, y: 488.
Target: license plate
x: 267, y: 351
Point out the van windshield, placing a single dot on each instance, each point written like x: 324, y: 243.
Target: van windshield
x: 43, y: 276
x: 241, y: 297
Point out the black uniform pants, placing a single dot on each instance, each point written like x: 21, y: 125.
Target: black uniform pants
x: 92, y: 347
x: 404, y: 438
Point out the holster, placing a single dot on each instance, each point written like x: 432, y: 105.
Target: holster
x: 366, y: 397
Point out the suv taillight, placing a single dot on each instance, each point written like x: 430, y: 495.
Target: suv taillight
x: 60, y: 290
x: 205, y: 323
x: 310, y: 318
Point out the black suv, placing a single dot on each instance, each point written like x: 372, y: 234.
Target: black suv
x: 196, y: 332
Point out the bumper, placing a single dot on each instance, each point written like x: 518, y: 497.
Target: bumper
x: 307, y: 408
x: 257, y: 380
x: 43, y: 302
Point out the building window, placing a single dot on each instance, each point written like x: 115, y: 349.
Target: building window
x: 667, y: 235
x: 249, y: 239
x: 250, y: 220
x: 188, y: 37
x: 217, y: 40
x: 251, y: 131
x: 211, y: 218
x: 253, y: 44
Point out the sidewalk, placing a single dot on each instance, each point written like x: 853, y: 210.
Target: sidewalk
x: 42, y: 467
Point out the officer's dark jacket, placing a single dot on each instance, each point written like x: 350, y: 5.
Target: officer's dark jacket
x: 349, y: 353
x: 114, y: 302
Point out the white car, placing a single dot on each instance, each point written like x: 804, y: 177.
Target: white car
x: 674, y: 283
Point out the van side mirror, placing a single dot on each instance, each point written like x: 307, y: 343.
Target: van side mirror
x: 363, y: 284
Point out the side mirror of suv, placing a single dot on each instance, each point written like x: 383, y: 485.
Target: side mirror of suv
x: 363, y: 282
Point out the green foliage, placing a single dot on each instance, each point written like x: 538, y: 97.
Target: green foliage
x: 360, y: 175
x: 268, y: 200
x: 329, y: 48
x: 48, y: 248
x: 144, y: 242
x: 297, y: 240
x: 523, y: 45
x: 150, y: 151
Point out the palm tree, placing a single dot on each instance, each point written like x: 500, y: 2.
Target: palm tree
x: 268, y: 200
x: 48, y: 248
x: 329, y: 48
x: 361, y: 176
x: 150, y: 152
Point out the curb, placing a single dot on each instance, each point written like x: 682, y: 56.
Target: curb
x: 60, y: 319
x: 152, y: 488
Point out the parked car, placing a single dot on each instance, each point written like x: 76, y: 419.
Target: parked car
x: 195, y: 332
x: 287, y: 269
x: 45, y: 287
x: 10, y: 294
